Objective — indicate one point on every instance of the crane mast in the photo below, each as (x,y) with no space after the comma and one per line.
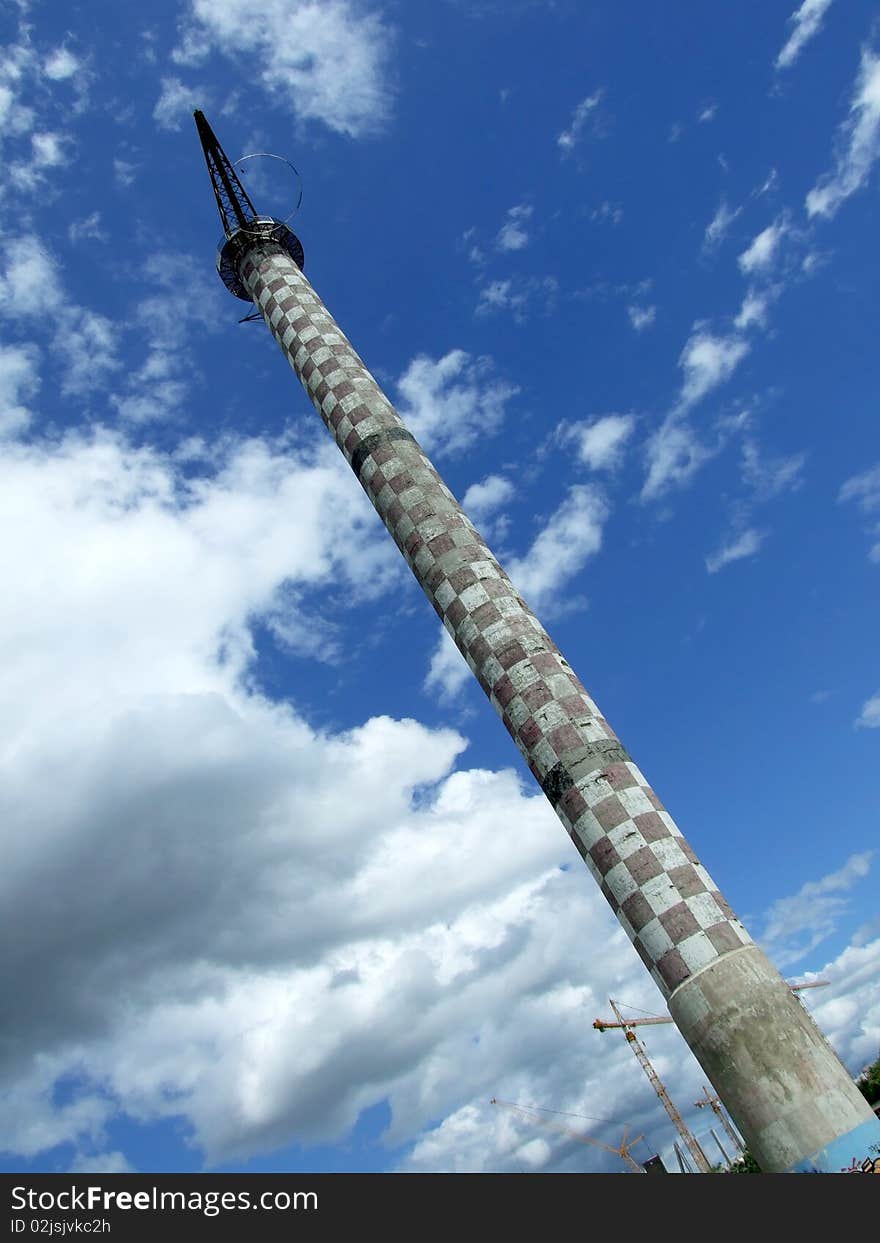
(657,1084)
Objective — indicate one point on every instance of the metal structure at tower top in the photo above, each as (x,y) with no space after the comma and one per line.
(242,226)
(784,1086)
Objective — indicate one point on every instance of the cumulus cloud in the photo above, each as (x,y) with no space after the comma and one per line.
(869,717)
(806,22)
(61,64)
(450,403)
(569,137)
(600,442)
(858,143)
(796,925)
(272,928)
(513,234)
(744,545)
(326,58)
(483,499)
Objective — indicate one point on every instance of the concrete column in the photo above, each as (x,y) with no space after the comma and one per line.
(786,1090)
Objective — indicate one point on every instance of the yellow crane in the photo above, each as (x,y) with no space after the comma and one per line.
(533,1114)
(701,1160)
(626,1025)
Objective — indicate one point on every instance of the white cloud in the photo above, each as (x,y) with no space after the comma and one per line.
(517,296)
(848,1011)
(869,717)
(641,316)
(30,286)
(453,402)
(582,113)
(295,925)
(762,250)
(807,22)
(513,234)
(673,455)
(707,114)
(89,228)
(572,535)
(607,211)
(124,171)
(707,361)
(61,64)
(864,490)
(600,442)
(19,380)
(753,312)
(858,143)
(486,497)
(769,477)
(176,103)
(718,227)
(448,672)
(327,58)
(744,545)
(797,924)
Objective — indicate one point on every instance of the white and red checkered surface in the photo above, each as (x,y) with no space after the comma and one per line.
(665,899)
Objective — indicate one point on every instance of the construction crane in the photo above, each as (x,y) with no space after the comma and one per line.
(638,1049)
(700,1159)
(602,1024)
(533,1115)
(714,1103)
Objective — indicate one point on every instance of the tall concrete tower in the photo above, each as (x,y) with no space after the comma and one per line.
(791,1097)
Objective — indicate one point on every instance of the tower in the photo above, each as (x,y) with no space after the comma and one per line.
(785,1088)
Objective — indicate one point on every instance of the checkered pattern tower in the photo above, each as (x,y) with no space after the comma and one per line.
(792,1099)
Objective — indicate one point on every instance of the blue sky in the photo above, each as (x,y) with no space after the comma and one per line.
(278,892)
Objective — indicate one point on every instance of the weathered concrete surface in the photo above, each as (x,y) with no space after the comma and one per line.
(666,901)
(774,1070)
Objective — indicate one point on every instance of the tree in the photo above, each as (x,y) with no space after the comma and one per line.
(868,1082)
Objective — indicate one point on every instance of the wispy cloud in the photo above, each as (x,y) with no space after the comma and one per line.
(572,535)
(797,924)
(518,296)
(707,360)
(869,717)
(864,491)
(718,227)
(858,143)
(759,256)
(806,22)
(641,316)
(745,545)
(569,137)
(513,234)
(176,103)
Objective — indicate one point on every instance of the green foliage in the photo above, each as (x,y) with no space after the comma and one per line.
(868,1082)
(745,1165)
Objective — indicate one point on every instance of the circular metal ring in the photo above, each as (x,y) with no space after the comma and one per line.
(268,155)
